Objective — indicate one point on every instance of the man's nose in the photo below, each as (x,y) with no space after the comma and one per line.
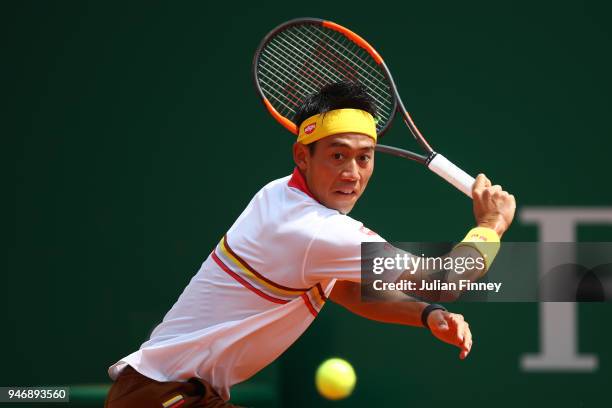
(351,171)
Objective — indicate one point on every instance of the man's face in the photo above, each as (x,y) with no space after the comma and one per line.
(339,169)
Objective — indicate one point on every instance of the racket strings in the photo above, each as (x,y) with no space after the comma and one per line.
(315,77)
(332,60)
(319,76)
(303,58)
(351,47)
(286,66)
(361,61)
(308,70)
(371,81)
(284,72)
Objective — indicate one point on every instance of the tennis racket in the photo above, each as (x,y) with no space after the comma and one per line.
(300,56)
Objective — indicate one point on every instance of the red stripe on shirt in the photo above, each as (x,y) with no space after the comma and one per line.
(246,265)
(321,292)
(245,283)
(309,305)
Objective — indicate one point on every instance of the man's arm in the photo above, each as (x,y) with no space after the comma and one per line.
(494,211)
(398,308)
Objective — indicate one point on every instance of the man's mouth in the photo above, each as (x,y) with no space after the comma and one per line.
(346,192)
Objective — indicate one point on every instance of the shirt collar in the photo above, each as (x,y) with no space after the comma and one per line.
(297,181)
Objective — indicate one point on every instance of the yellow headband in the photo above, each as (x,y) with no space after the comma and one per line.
(337,121)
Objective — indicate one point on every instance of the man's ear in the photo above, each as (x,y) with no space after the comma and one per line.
(301,155)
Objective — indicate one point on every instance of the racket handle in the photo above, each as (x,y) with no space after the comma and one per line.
(451,173)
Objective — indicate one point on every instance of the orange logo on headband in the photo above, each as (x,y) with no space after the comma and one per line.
(310,128)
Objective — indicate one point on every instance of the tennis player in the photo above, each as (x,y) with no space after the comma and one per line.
(291,250)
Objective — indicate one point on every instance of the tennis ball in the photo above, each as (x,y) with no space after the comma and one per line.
(335,379)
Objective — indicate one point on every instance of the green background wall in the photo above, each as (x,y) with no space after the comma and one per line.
(132,137)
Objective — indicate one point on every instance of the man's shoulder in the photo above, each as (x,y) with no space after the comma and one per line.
(300,204)
(346,224)
(283,193)
(279,182)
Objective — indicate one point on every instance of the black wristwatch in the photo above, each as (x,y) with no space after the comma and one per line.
(430,308)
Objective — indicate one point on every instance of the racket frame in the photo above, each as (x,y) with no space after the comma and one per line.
(355,38)
(441,166)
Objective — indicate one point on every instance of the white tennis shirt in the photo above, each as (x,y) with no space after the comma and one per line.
(257,292)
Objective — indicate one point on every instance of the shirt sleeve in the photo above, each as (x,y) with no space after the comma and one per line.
(335,252)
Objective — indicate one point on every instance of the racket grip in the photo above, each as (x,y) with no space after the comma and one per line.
(451,173)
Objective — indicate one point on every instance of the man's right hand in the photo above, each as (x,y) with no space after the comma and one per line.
(451,328)
(493,207)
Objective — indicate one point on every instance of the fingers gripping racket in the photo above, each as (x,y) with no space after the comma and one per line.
(300,56)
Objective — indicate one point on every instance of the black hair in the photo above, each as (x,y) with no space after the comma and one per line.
(338,95)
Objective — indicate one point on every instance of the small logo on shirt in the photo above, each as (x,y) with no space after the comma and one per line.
(367,231)
(310,128)
(389,248)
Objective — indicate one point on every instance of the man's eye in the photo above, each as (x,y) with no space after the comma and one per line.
(338,156)
(365,158)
